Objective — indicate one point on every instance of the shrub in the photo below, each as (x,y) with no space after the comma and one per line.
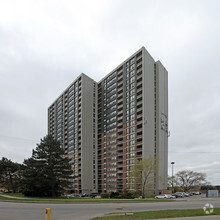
(127,194)
(114,195)
(105,195)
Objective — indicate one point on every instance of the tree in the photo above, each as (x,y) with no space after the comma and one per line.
(10,174)
(172,182)
(143,174)
(47,172)
(187,178)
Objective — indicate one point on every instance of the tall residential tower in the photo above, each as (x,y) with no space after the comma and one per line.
(72,119)
(104,126)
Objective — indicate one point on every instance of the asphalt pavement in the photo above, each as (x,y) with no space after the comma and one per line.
(85,211)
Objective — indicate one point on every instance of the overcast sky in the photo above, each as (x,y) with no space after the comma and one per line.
(46,44)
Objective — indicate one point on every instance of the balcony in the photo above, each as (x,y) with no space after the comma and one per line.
(139,133)
(120,90)
(120,75)
(139,66)
(139,143)
(139,148)
(139,98)
(120,164)
(120,147)
(139,72)
(120,171)
(139,116)
(120,182)
(139,128)
(120,159)
(139,154)
(139,95)
(139,109)
(139,82)
(120,82)
(120,120)
(139,90)
(120,129)
(120,136)
(139,136)
(120,142)
(120,109)
(120,152)
(120,96)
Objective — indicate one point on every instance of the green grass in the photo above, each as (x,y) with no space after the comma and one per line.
(14,194)
(160,214)
(21,197)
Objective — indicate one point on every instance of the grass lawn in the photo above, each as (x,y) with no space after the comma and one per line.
(14,194)
(159,214)
(63,199)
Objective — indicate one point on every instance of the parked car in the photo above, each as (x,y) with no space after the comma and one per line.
(88,195)
(92,195)
(196,193)
(170,196)
(178,194)
(85,195)
(186,194)
(162,196)
(74,195)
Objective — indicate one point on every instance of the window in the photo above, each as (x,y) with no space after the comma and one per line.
(132,129)
(132,84)
(132,155)
(132,122)
(132,136)
(132,117)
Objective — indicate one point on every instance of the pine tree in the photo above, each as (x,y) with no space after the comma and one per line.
(10,175)
(47,172)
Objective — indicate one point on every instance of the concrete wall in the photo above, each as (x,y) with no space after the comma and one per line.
(162,124)
(212,193)
(87,135)
(148,104)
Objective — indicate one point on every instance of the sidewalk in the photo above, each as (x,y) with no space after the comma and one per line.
(12,197)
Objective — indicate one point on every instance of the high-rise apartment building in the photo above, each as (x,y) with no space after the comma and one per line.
(72,119)
(105,126)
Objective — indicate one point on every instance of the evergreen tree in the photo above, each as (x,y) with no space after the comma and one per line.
(10,175)
(47,172)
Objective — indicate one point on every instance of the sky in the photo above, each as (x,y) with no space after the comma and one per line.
(46,44)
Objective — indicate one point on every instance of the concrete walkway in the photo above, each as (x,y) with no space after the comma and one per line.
(12,197)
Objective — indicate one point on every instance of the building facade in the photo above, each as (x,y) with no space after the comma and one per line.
(114,121)
(72,119)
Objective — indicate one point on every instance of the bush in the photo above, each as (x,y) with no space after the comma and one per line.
(105,195)
(126,194)
(114,195)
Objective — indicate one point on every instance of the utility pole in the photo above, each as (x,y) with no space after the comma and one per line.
(172,163)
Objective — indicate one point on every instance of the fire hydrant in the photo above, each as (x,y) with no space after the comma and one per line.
(47,212)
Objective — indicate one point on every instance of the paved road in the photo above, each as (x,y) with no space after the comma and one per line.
(34,211)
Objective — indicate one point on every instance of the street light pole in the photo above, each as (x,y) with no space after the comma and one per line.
(172,163)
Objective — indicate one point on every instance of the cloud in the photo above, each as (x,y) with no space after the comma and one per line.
(45,45)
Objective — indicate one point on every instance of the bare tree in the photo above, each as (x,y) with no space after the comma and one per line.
(187,178)
(143,174)
(172,182)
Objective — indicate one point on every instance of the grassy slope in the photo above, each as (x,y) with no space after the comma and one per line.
(160,214)
(20,197)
